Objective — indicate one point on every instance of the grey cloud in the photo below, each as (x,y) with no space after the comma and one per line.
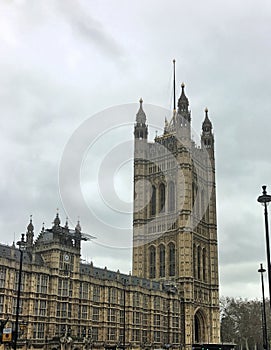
(88,28)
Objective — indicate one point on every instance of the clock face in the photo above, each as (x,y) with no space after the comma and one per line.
(66,257)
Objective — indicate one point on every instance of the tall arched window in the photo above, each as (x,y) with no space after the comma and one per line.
(202,209)
(199,262)
(204,275)
(152,253)
(162,260)
(172,262)
(153,201)
(162,198)
(195,260)
(171,197)
(193,193)
(195,199)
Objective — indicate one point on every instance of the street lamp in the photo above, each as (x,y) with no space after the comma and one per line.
(21,245)
(265,339)
(265,199)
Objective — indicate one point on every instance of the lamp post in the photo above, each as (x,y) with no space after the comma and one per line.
(21,245)
(265,199)
(265,339)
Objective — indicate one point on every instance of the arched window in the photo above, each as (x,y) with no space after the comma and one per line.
(162,258)
(162,198)
(152,253)
(193,193)
(153,201)
(202,211)
(204,265)
(195,260)
(199,262)
(171,197)
(172,263)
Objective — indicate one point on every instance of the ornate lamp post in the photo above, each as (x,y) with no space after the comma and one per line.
(265,199)
(265,339)
(22,245)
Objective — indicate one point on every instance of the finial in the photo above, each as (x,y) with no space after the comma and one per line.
(264,189)
(30,226)
(182,85)
(66,224)
(78,226)
(43,228)
(174,87)
(174,60)
(57,220)
(141,101)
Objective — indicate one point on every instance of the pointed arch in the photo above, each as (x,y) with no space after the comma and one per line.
(153,201)
(162,197)
(199,262)
(152,259)
(171,197)
(200,327)
(195,264)
(202,204)
(162,260)
(172,259)
(204,273)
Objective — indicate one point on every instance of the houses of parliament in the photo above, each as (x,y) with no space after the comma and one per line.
(171,298)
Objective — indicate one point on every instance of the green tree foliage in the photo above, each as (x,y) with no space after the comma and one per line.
(241,323)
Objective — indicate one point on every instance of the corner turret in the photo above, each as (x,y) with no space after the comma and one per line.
(30,233)
(183,104)
(207,137)
(141,129)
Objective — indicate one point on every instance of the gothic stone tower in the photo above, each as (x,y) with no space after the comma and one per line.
(174,223)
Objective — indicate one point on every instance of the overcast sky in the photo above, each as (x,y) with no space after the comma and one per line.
(71,75)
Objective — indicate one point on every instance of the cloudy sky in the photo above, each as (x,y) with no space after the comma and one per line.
(71,75)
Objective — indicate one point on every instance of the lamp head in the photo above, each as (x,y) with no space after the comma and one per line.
(264,198)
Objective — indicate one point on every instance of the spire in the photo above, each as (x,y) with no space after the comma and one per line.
(78,226)
(141,116)
(30,227)
(66,223)
(207,137)
(166,126)
(141,129)
(30,233)
(57,220)
(174,87)
(183,102)
(206,125)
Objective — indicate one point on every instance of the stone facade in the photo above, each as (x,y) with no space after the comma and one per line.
(64,299)
(171,298)
(175,234)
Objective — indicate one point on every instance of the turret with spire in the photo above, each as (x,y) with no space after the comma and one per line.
(30,233)
(183,119)
(141,129)
(183,104)
(207,137)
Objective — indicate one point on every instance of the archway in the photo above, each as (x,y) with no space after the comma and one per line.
(200,334)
